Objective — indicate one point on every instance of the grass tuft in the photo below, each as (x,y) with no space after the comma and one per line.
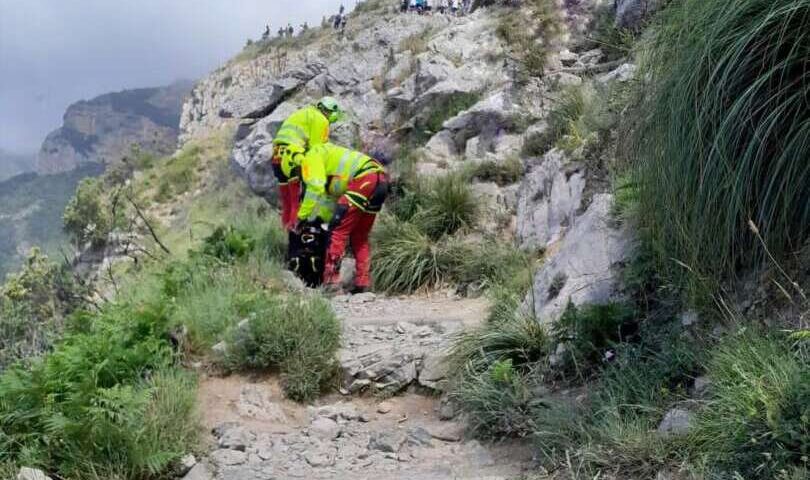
(725,137)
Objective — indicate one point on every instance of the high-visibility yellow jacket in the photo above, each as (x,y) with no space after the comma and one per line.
(305,128)
(326,171)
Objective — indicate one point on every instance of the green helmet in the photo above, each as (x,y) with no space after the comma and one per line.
(329,106)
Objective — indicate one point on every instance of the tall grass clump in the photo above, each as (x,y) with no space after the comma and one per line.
(297,336)
(406,259)
(756,422)
(497,367)
(448,206)
(726,135)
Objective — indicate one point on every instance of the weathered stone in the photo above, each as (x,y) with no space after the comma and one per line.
(447,409)
(623,73)
(480,456)
(292,281)
(255,402)
(226,456)
(404,327)
(568,58)
(320,458)
(419,437)
(591,57)
(548,200)
(338,411)
(564,79)
(200,471)
(324,428)
(386,441)
(384,407)
(701,386)
(26,473)
(676,422)
(220,349)
(185,464)
(360,298)
(689,318)
(234,437)
(433,371)
(451,433)
(587,267)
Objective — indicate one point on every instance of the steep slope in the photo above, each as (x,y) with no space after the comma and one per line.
(102,129)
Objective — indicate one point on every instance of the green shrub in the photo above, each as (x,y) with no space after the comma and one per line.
(529,31)
(87,217)
(516,337)
(498,368)
(105,400)
(492,263)
(227,243)
(616,43)
(448,206)
(297,336)
(440,111)
(178,173)
(588,332)
(33,303)
(499,401)
(724,137)
(756,422)
(503,173)
(210,297)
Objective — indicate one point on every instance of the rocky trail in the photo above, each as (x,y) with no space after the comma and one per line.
(387,421)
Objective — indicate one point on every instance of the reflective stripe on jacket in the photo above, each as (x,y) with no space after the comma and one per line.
(326,171)
(305,128)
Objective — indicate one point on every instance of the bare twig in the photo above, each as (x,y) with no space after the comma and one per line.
(148,225)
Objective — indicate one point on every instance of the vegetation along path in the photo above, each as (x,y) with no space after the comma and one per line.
(388,421)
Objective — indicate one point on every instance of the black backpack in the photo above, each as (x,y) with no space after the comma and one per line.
(307,254)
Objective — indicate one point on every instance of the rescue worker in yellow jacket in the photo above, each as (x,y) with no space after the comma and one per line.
(346,189)
(304,129)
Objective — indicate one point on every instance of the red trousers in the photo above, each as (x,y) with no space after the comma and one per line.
(354,227)
(289,195)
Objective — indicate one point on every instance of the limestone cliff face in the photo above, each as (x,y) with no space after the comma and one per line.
(101,130)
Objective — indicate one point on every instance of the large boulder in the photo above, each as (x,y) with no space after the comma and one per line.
(260,101)
(587,266)
(549,198)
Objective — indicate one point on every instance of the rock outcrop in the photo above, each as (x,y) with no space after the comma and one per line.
(404,73)
(585,268)
(103,129)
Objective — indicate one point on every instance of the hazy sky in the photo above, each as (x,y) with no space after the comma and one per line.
(55,52)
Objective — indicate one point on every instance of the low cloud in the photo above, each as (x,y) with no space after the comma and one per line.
(55,52)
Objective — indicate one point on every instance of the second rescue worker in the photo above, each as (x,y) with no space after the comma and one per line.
(301,131)
(346,189)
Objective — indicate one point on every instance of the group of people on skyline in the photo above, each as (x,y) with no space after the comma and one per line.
(337,21)
(454,7)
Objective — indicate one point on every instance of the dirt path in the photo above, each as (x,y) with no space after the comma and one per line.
(259,435)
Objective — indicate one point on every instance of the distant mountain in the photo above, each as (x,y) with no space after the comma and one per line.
(31,207)
(103,129)
(12,164)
